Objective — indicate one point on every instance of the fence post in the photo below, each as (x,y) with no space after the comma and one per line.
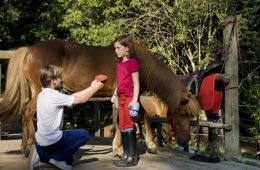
(0,96)
(97,118)
(231,90)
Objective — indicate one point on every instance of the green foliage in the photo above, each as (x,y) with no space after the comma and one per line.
(92,22)
(249,155)
(27,21)
(250,98)
(248,16)
(181,32)
(253,105)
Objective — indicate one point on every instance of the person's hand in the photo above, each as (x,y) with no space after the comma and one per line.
(134,108)
(133,103)
(95,84)
(113,98)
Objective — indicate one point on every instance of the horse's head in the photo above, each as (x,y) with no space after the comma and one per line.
(189,107)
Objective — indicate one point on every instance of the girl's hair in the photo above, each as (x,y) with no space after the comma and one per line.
(48,73)
(126,41)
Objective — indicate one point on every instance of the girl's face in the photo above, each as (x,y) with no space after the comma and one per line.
(121,51)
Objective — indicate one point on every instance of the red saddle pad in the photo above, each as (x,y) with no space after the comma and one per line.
(210,97)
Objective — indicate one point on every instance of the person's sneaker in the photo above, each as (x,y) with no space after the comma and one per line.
(33,157)
(60,164)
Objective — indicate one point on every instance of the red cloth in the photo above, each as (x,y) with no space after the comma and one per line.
(210,97)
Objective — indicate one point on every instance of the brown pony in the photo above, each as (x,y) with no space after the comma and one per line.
(80,64)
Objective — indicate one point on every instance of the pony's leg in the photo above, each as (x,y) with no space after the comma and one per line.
(167,130)
(117,143)
(149,139)
(28,136)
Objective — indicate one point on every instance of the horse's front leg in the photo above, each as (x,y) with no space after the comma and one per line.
(28,129)
(149,139)
(167,129)
(117,143)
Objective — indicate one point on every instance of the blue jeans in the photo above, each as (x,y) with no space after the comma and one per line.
(63,150)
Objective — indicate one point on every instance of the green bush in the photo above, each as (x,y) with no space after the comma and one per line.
(251,98)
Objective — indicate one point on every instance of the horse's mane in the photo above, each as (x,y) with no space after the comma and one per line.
(159,78)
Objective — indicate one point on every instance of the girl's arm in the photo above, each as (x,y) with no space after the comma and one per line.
(136,82)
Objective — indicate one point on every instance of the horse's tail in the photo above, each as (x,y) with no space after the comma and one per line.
(17,89)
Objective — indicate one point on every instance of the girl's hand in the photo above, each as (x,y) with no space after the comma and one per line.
(134,108)
(134,103)
(113,98)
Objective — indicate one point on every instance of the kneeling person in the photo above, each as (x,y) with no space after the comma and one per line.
(55,146)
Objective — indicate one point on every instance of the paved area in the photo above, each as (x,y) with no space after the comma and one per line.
(97,154)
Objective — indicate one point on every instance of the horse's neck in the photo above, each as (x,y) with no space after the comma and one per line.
(159,78)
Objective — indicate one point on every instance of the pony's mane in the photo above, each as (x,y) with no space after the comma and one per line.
(159,78)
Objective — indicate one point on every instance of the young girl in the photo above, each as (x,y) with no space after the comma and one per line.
(128,94)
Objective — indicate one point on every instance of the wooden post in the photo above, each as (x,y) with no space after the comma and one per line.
(0,96)
(231,90)
(97,118)
(0,80)
(97,112)
(0,131)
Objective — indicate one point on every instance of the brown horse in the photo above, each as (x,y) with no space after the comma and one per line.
(80,64)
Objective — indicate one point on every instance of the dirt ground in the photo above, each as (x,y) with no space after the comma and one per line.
(97,154)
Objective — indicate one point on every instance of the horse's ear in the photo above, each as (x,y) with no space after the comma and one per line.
(185,97)
(194,106)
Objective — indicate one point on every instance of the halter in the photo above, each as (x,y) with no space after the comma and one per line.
(172,120)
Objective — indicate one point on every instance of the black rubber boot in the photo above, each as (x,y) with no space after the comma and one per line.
(132,158)
(125,150)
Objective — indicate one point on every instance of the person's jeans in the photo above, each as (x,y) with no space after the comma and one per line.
(63,150)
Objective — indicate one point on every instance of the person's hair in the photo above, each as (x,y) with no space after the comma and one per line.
(48,73)
(125,40)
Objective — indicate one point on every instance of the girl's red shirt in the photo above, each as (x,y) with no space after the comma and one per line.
(125,83)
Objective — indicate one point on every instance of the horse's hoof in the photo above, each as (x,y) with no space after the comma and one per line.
(118,152)
(26,151)
(152,151)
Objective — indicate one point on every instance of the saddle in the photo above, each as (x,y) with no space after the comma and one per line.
(203,84)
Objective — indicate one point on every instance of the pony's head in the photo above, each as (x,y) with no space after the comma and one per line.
(180,121)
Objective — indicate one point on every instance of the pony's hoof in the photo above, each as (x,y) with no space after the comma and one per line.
(26,151)
(118,152)
(152,151)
